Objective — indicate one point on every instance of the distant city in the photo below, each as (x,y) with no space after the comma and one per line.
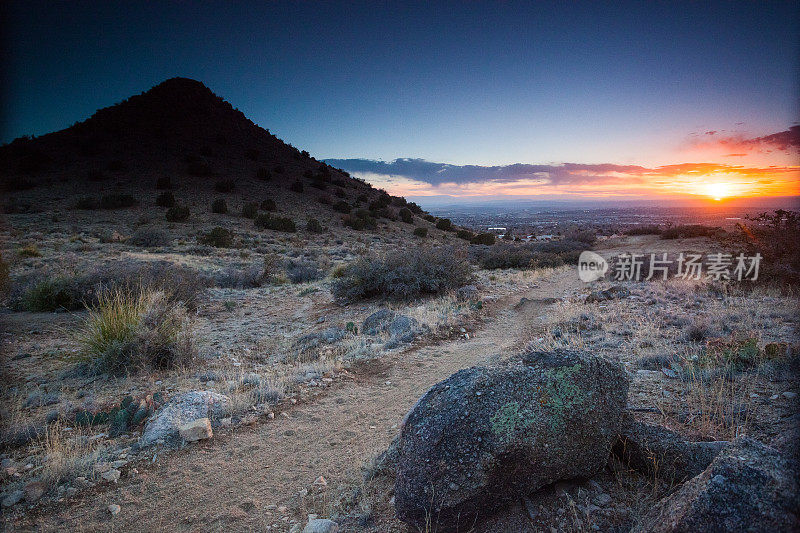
(537,220)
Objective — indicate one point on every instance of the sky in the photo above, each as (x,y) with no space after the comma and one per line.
(462,100)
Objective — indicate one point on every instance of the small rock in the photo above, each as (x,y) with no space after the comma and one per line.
(321,481)
(195,430)
(13,499)
(773,397)
(669,373)
(114,509)
(34,491)
(321,525)
(112,476)
(602,499)
(789,395)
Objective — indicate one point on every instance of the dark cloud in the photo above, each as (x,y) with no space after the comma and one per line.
(783,140)
(439,173)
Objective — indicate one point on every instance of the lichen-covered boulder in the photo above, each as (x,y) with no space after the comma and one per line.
(486,436)
(192,405)
(401,329)
(748,487)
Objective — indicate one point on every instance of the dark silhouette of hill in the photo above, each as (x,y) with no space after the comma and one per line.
(178,127)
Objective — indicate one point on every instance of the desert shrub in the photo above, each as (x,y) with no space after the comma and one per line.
(149,237)
(128,331)
(430,218)
(178,213)
(342,207)
(698,330)
(324,199)
(5,280)
(250,210)
(219,206)
(263,174)
(225,186)
(218,237)
(29,250)
(586,236)
(302,271)
(269,205)
(45,290)
(688,231)
(444,224)
(248,277)
(252,154)
(465,234)
(117,201)
(483,238)
(165,199)
(296,186)
(266,221)
(383,200)
(403,275)
(648,229)
(164,183)
(360,220)
(86,203)
(406,215)
(774,236)
(421,232)
(535,255)
(414,208)
(314,226)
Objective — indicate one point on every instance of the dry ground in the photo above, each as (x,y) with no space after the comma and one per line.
(261,476)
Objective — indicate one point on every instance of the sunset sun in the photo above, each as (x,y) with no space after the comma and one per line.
(718,191)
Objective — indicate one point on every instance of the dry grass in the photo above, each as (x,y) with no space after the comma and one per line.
(67,455)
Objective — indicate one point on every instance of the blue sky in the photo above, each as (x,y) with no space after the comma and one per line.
(458,83)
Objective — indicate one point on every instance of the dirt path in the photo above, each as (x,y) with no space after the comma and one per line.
(236,481)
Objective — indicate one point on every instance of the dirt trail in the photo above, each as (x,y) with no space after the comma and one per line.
(232,481)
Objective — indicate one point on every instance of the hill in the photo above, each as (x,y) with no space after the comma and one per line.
(180,135)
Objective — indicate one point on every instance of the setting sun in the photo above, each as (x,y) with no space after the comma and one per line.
(718,191)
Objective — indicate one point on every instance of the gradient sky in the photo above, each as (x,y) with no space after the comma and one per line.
(638,85)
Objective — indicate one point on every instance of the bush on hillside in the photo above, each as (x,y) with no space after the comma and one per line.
(313,226)
(177,213)
(250,210)
(444,224)
(263,174)
(406,215)
(266,221)
(483,238)
(218,237)
(648,229)
(149,238)
(421,232)
(403,275)
(269,205)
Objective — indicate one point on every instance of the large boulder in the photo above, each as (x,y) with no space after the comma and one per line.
(664,454)
(486,436)
(748,487)
(178,411)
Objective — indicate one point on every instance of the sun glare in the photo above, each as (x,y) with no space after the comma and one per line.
(718,191)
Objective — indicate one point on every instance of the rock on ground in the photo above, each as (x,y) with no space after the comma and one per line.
(321,525)
(186,407)
(617,292)
(13,498)
(486,436)
(659,452)
(400,328)
(195,430)
(748,487)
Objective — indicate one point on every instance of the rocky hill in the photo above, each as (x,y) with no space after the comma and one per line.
(181,136)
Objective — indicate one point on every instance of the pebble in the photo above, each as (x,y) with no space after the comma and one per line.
(13,499)
(112,476)
(114,509)
(789,395)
